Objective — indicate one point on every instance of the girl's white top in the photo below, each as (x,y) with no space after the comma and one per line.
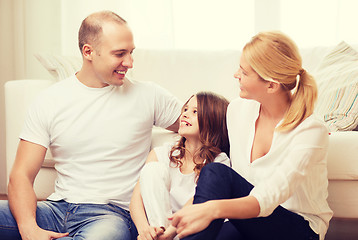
(182,186)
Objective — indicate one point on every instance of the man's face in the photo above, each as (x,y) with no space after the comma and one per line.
(112,57)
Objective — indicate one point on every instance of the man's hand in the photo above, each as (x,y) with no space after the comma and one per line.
(41,234)
(192,219)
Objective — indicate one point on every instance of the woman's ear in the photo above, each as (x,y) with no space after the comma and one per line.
(273,87)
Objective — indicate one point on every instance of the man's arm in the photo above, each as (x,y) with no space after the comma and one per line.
(174,127)
(22,197)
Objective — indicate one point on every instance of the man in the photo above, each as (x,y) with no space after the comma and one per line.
(97,124)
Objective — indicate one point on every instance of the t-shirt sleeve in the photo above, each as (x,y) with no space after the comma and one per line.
(223,158)
(167,107)
(163,152)
(36,128)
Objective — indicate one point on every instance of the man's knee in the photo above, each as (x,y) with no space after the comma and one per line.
(8,225)
(107,228)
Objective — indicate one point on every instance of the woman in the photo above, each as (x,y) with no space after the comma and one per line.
(278,186)
(168,179)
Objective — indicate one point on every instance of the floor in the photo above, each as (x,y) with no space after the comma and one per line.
(3,197)
(339,229)
(342,229)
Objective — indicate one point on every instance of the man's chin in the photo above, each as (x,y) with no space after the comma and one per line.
(118,82)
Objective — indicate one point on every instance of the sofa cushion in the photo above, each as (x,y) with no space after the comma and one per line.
(337,79)
(60,67)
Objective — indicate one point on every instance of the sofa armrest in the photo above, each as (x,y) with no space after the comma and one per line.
(18,96)
(343,156)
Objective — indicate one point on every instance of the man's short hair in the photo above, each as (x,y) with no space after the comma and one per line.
(91,27)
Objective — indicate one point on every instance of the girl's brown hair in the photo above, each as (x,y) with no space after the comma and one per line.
(273,55)
(212,131)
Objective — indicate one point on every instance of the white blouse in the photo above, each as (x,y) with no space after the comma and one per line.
(292,174)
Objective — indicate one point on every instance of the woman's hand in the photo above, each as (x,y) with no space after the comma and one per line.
(150,233)
(192,219)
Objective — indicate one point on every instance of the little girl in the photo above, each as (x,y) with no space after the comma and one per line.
(168,179)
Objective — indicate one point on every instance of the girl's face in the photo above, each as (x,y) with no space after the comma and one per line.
(251,84)
(189,125)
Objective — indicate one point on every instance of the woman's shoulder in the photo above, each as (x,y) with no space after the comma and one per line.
(242,103)
(313,122)
(311,131)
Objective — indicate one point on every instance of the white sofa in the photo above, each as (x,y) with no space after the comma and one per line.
(185,72)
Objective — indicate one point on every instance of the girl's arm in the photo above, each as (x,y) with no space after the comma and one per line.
(171,231)
(137,210)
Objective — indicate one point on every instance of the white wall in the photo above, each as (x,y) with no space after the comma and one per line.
(27,27)
(7,72)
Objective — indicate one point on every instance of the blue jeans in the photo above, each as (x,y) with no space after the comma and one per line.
(217,181)
(82,221)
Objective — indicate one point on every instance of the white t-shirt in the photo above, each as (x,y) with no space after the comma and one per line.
(182,186)
(292,174)
(99,137)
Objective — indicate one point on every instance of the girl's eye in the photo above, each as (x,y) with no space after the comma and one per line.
(195,111)
(185,109)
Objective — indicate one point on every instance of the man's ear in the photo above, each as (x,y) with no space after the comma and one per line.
(87,51)
(273,87)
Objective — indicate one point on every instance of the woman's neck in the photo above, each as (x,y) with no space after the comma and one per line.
(275,108)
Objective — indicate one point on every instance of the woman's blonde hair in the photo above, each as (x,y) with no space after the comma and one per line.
(275,57)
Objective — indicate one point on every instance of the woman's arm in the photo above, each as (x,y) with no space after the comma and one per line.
(197,217)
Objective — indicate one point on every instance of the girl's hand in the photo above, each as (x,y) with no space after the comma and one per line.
(150,233)
(168,234)
(192,219)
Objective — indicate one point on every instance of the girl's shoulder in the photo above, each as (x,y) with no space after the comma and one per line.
(223,158)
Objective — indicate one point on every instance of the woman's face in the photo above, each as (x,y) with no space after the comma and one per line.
(189,125)
(251,84)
